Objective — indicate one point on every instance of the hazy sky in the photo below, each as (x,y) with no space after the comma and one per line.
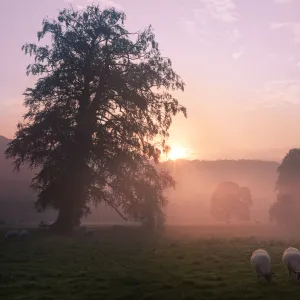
(240,60)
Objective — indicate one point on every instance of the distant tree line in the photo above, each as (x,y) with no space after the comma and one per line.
(231,202)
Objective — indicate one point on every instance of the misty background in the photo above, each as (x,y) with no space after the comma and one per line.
(189,203)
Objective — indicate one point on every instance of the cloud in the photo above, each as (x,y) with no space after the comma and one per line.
(81,4)
(237,55)
(110,3)
(222,10)
(275,26)
(290,58)
(292,27)
(190,26)
(79,7)
(278,93)
(233,34)
(283,1)
(236,33)
(272,54)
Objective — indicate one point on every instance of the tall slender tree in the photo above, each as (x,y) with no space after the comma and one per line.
(101,102)
(285,210)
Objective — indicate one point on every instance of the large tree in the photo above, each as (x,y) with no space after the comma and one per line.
(231,202)
(285,210)
(98,117)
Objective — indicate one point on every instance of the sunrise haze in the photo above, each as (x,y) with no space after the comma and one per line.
(240,61)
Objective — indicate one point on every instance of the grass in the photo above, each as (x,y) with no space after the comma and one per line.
(126,264)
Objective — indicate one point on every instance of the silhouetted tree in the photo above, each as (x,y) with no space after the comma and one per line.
(285,211)
(229,201)
(95,114)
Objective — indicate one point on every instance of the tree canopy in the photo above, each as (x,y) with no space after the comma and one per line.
(285,210)
(97,117)
(231,202)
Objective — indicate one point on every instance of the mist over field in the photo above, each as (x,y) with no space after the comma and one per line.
(189,203)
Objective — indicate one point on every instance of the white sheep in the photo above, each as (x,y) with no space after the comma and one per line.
(291,249)
(261,263)
(11,234)
(291,259)
(23,234)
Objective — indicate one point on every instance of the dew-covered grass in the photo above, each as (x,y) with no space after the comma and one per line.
(126,263)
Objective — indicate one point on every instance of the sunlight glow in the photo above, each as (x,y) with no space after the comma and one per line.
(177,152)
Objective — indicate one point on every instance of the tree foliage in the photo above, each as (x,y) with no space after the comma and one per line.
(231,202)
(285,211)
(101,102)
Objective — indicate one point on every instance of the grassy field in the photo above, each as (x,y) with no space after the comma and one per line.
(120,263)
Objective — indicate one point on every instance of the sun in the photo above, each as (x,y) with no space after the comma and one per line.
(177,152)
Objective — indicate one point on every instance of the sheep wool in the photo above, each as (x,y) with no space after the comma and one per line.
(291,259)
(24,234)
(261,263)
(11,234)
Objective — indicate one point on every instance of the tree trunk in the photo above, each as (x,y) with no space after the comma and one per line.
(73,195)
(149,223)
(64,222)
(78,179)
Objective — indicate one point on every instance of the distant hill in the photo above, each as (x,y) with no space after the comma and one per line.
(196,181)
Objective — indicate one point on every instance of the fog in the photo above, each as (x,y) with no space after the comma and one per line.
(189,203)
(196,182)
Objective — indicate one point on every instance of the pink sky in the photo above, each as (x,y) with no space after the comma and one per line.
(240,60)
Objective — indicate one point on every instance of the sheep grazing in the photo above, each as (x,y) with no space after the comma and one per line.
(23,234)
(261,262)
(291,259)
(11,234)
